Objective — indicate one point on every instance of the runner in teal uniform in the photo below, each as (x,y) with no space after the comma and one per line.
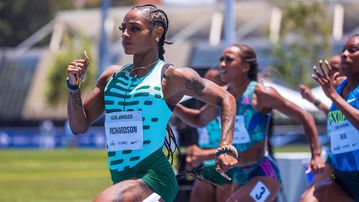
(138,100)
(342,128)
(257,176)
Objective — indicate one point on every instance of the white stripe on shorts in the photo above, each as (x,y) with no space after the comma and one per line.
(154,197)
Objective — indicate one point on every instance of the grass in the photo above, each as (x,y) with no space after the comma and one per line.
(52,175)
(71,175)
(292,148)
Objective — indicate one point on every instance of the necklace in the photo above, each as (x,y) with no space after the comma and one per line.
(238,92)
(144,67)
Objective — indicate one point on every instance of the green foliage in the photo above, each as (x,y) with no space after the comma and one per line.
(304,38)
(20,18)
(56,91)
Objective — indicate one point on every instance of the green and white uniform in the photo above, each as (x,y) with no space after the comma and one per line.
(136,119)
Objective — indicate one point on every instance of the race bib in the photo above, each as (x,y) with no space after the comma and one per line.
(260,192)
(240,135)
(124,130)
(203,137)
(344,137)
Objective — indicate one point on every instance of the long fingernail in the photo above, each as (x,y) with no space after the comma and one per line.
(225,176)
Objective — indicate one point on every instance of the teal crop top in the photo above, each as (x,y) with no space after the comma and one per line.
(251,126)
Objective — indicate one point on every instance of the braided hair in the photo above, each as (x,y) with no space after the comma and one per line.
(156,17)
(248,55)
(168,143)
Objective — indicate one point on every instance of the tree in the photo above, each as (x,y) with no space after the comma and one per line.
(56,92)
(19,19)
(304,37)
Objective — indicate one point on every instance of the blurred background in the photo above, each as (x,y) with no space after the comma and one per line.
(38,38)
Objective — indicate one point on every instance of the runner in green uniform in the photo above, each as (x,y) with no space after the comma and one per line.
(138,99)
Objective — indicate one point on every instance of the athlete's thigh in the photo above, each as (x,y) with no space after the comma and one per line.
(258,188)
(223,192)
(125,191)
(323,188)
(202,191)
(328,190)
(307,195)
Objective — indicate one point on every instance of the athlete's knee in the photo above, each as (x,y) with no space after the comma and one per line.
(129,190)
(112,193)
(307,196)
(259,188)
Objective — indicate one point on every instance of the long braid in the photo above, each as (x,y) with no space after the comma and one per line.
(158,17)
(168,142)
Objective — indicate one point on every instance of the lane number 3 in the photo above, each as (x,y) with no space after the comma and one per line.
(260,192)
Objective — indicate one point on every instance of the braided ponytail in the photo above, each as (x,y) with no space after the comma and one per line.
(249,56)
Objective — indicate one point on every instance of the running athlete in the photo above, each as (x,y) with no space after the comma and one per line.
(138,99)
(341,182)
(256,176)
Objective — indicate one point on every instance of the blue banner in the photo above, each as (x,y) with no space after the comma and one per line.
(57,137)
